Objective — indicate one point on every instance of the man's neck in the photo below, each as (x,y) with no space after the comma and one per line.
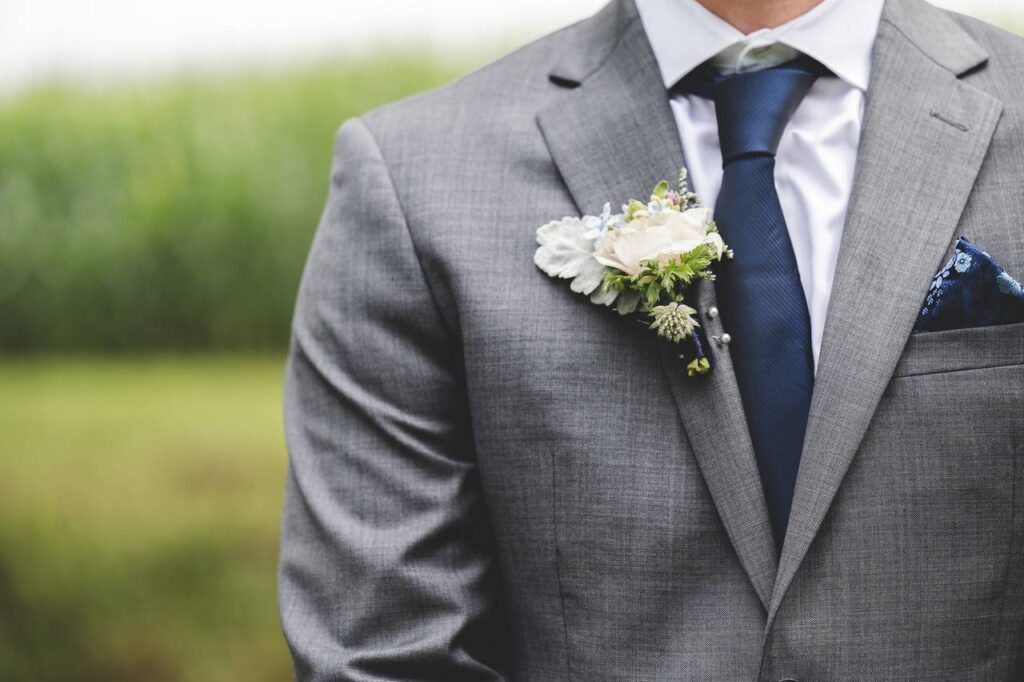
(748,16)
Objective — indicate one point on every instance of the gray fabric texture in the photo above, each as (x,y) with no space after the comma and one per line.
(493,479)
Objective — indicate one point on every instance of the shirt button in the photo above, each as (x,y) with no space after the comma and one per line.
(712,312)
(726,338)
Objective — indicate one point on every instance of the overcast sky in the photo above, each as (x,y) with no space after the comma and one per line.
(111,39)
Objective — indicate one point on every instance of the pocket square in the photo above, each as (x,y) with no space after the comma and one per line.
(971,290)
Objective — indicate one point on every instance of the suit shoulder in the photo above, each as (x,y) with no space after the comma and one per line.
(503,91)
(996,39)
(502,99)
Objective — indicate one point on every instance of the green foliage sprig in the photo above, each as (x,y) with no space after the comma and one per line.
(659,282)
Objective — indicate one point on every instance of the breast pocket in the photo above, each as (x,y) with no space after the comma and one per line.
(962,349)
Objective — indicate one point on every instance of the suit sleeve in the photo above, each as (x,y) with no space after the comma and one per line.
(386,567)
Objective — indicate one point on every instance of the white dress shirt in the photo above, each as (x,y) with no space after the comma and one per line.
(816,157)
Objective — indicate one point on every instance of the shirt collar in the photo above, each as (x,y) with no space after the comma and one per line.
(838,33)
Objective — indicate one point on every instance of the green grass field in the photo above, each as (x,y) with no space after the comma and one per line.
(139,511)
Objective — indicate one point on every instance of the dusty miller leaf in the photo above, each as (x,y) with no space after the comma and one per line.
(565,252)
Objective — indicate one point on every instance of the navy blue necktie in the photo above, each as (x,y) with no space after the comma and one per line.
(759,294)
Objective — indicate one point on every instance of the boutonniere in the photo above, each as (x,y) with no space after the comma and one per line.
(640,261)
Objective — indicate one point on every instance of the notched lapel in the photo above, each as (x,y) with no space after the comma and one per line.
(925,136)
(613,137)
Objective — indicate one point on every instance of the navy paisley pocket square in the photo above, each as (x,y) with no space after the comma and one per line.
(971,290)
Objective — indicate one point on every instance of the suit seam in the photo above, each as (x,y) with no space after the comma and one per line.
(451,332)
(629,26)
(405,224)
(558,567)
(1009,554)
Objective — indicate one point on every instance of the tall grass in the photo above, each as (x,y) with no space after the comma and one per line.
(174,216)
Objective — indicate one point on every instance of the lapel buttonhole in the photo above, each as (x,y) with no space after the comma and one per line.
(945,119)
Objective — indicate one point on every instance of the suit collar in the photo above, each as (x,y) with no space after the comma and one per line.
(925,136)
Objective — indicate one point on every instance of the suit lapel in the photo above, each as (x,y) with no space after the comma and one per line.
(924,138)
(613,137)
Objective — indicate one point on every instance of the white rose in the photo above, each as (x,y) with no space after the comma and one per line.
(660,236)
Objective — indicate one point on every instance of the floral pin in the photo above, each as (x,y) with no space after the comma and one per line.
(641,260)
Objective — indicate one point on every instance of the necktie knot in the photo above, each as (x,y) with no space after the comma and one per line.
(753,107)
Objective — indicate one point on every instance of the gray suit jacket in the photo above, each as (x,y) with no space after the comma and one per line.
(492,478)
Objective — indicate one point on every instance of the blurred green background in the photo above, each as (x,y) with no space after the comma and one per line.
(174,216)
(151,241)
